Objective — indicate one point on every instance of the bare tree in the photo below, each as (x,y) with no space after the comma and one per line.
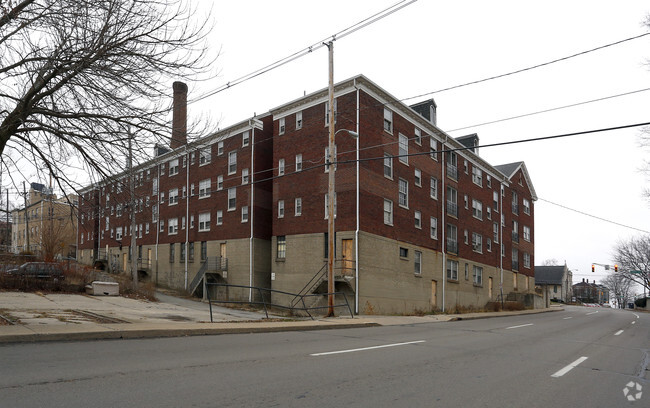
(81,77)
(620,286)
(633,258)
(551,262)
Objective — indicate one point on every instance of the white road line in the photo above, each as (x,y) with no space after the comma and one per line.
(570,317)
(366,348)
(637,316)
(592,312)
(618,333)
(633,321)
(521,325)
(569,367)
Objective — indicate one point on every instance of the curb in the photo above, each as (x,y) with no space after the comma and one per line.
(507,314)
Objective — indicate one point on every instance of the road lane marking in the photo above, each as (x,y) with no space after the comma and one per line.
(633,321)
(521,325)
(637,316)
(592,312)
(568,368)
(618,333)
(571,317)
(367,348)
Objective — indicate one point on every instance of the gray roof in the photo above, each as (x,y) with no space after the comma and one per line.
(549,275)
(508,169)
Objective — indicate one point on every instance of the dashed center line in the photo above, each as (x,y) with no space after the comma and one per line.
(592,313)
(570,317)
(366,348)
(521,325)
(633,321)
(637,316)
(618,333)
(568,368)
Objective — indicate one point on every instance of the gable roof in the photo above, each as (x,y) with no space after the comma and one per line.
(549,275)
(510,169)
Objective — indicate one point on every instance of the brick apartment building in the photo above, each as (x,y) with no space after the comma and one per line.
(422,221)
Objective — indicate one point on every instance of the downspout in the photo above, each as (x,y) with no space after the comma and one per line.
(443,206)
(100,214)
(187,210)
(41,231)
(356,232)
(158,218)
(501,243)
(250,216)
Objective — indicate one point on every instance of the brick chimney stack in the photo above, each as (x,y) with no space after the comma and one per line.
(179,117)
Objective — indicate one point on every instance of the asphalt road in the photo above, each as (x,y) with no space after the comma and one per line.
(582,357)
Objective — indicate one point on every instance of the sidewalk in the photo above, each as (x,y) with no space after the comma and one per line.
(65,317)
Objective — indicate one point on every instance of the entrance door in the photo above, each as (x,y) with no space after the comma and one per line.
(124,261)
(490,287)
(149,258)
(347,257)
(222,253)
(434,294)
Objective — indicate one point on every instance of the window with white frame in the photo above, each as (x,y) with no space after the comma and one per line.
(526,260)
(183,222)
(433,148)
(173,167)
(245,138)
(107,222)
(232,199)
(452,269)
(388,212)
(192,190)
(204,188)
(489,180)
(477,176)
(418,178)
(327,112)
(526,233)
(172,226)
(118,210)
(232,162)
(162,225)
(488,244)
(388,166)
(403,193)
(281,167)
(327,206)
(433,227)
(403,149)
(219,217)
(297,206)
(205,156)
(220,148)
(495,232)
(417,262)
(244,176)
(298,120)
(466,166)
(526,205)
(299,162)
(466,236)
(191,221)
(495,201)
(477,209)
(244,214)
(489,212)
(146,228)
(281,126)
(184,192)
(118,233)
(388,120)
(173,196)
(192,158)
(280,208)
(418,220)
(219,182)
(477,242)
(204,222)
(433,188)
(478,275)
(418,136)
(162,197)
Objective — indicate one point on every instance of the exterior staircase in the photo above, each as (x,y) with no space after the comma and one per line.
(213,264)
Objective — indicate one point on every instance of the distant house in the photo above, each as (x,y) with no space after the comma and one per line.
(586,292)
(556,281)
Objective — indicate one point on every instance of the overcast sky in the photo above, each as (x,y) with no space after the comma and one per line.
(431,45)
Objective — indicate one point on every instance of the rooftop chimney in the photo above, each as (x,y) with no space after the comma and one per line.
(179,117)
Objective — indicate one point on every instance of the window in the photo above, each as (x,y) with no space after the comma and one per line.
(191,221)
(244,176)
(403,149)
(298,206)
(418,178)
(219,148)
(433,190)
(232,162)
(452,269)
(466,167)
(526,233)
(526,205)
(172,226)
(495,201)
(466,237)
(452,201)
(488,244)
(327,206)
(192,189)
(184,194)
(281,247)
(403,193)
(466,271)
(477,242)
(172,250)
(204,250)
(327,159)
(478,276)
(182,257)
(219,217)
(118,233)
(477,209)
(477,176)
(434,228)
(281,167)
(281,126)
(162,199)
(418,136)
(433,148)
(526,260)
(495,231)
(232,199)
(173,167)
(515,231)
(299,162)
(452,238)
(417,262)
(466,200)
(219,182)
(205,156)
(154,213)
(418,220)
(245,138)
(403,253)
(388,120)
(204,188)
(162,225)
(515,259)
(515,203)
(388,212)
(280,208)
(190,252)
(298,120)
(192,157)
(204,222)
(452,166)
(388,166)
(173,196)
(327,112)
(489,213)
(244,214)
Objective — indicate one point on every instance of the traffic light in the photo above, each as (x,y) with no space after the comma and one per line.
(615,268)
(593,268)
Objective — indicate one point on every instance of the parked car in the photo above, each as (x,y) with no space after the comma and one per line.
(41,270)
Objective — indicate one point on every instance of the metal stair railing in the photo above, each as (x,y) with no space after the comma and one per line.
(211,264)
(311,285)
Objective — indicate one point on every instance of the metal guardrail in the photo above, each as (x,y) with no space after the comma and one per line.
(267,304)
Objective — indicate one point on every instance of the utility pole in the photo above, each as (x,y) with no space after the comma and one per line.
(134,262)
(26,216)
(330,189)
